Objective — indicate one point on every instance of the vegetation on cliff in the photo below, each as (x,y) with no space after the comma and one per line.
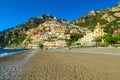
(16,35)
(108,17)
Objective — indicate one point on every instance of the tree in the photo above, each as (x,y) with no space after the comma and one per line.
(69,43)
(118,37)
(109,38)
(19,39)
(98,39)
(75,37)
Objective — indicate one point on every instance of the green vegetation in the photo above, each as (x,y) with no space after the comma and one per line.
(73,38)
(112,39)
(108,38)
(98,39)
(117,38)
(19,39)
(109,22)
(91,21)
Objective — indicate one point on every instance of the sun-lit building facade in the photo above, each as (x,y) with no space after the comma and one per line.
(87,39)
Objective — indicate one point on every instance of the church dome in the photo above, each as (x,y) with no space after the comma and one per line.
(98,26)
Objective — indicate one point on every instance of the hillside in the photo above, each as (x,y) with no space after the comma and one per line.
(108,17)
(17,34)
(53,32)
(36,30)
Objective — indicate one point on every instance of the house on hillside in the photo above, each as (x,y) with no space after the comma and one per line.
(75,31)
(117,31)
(59,43)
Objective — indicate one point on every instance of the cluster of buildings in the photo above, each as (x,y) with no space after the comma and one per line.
(50,33)
(53,33)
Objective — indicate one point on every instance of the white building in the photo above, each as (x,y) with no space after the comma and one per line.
(88,38)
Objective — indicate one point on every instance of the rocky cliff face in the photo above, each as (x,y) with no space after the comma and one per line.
(108,17)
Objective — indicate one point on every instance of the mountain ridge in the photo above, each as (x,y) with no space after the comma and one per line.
(108,17)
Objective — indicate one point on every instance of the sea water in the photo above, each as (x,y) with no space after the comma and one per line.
(4,52)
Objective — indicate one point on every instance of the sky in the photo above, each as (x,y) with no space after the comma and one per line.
(15,12)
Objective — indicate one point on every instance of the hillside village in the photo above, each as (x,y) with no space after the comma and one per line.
(51,33)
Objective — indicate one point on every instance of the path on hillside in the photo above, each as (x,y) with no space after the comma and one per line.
(71,65)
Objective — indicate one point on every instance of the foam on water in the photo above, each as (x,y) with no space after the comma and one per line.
(4,52)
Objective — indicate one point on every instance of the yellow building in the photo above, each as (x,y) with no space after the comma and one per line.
(59,29)
(98,31)
(88,38)
(59,43)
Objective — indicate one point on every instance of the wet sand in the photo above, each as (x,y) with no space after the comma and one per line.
(71,65)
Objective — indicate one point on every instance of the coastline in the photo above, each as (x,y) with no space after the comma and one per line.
(7,51)
(61,64)
(11,65)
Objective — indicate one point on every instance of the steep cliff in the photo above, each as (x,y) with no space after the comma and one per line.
(108,17)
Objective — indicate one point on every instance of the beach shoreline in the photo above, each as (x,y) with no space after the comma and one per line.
(61,64)
(11,65)
(7,52)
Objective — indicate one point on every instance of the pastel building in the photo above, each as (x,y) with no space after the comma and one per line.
(87,39)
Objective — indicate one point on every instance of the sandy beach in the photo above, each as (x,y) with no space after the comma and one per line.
(64,64)
(72,65)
